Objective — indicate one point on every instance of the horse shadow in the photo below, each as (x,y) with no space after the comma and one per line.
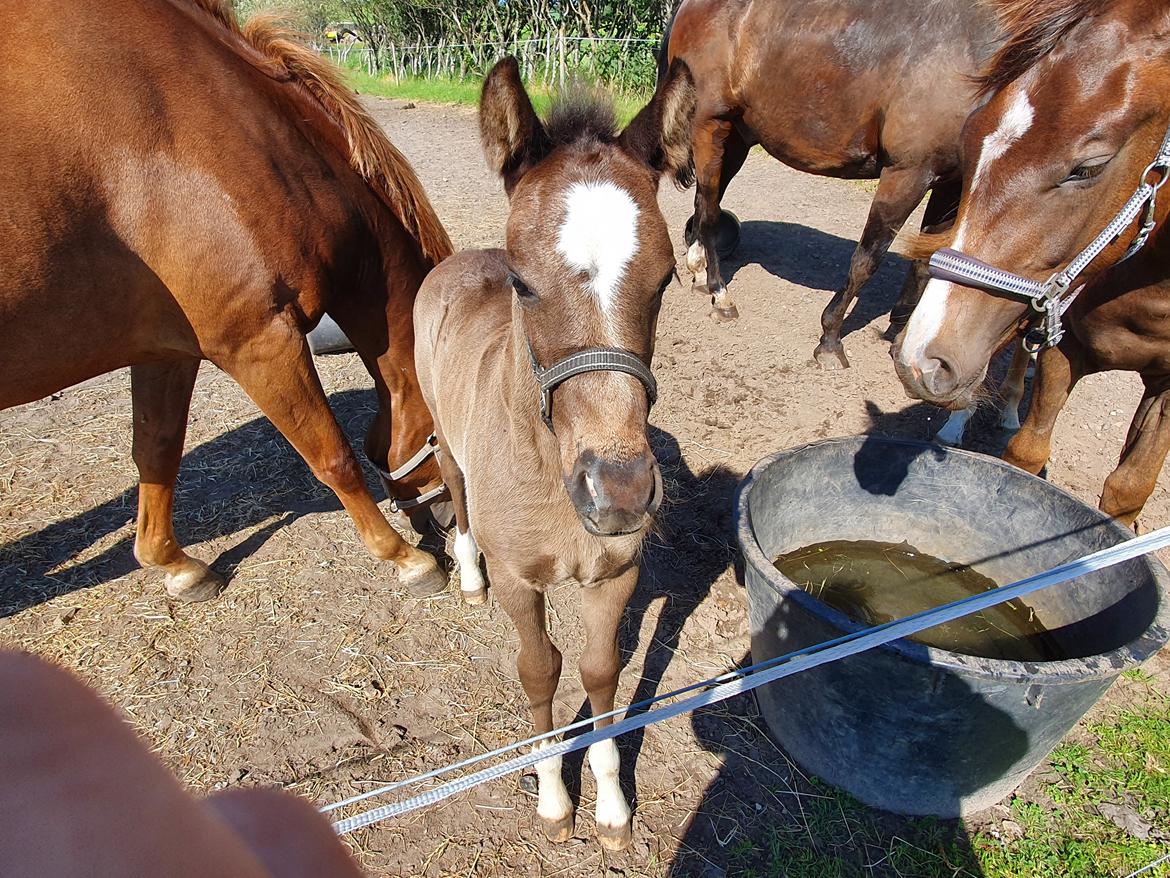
(818,260)
(247,478)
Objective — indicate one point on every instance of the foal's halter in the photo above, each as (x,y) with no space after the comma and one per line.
(420,457)
(1052,298)
(588,360)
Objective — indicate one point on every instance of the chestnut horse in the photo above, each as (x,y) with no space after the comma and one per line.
(179,188)
(535,362)
(1073,140)
(844,88)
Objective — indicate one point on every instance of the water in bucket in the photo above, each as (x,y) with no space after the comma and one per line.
(874,582)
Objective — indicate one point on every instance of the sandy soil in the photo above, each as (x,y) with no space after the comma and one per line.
(315,672)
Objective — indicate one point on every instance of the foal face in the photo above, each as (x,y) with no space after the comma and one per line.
(1048,162)
(590,257)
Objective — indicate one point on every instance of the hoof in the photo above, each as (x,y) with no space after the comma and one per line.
(558,830)
(196,583)
(615,838)
(475,598)
(724,315)
(831,358)
(426,582)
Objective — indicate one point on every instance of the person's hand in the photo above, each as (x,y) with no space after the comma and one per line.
(80,795)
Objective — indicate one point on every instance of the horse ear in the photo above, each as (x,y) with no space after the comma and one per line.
(513,138)
(660,134)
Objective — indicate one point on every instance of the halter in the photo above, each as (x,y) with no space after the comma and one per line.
(1051,298)
(420,457)
(588,360)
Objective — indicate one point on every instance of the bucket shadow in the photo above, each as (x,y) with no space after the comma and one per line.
(819,260)
(235,482)
(763,815)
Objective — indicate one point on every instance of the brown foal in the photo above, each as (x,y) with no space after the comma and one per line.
(570,495)
(189,189)
(1080,107)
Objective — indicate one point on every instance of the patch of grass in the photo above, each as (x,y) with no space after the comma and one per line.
(1128,765)
(466,93)
(844,839)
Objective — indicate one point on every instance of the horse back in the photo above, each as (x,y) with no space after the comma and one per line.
(158,208)
(838,87)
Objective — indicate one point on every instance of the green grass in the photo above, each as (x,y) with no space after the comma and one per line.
(466,93)
(1121,757)
(1128,763)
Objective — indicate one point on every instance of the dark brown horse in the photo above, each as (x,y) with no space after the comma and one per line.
(843,88)
(1079,110)
(535,361)
(177,189)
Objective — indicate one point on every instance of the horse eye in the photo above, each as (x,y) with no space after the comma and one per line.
(1087,170)
(521,288)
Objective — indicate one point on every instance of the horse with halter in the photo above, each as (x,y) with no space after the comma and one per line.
(535,361)
(843,88)
(1060,232)
(209,191)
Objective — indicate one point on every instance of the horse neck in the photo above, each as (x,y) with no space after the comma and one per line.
(532,442)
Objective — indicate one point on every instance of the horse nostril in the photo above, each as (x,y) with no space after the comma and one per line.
(939,376)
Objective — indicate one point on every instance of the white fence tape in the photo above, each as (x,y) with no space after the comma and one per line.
(732,684)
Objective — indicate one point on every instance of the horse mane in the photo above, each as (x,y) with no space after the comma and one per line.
(580,116)
(372,155)
(1031,29)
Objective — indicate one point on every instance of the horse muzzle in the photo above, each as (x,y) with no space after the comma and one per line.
(615,498)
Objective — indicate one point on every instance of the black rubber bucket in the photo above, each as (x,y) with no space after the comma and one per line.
(907,727)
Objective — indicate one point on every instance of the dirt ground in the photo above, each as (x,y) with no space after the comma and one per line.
(316,673)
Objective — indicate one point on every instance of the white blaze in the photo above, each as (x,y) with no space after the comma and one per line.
(599,236)
(1013,124)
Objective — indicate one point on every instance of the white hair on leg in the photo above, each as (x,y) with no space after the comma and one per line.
(553,803)
(467,555)
(605,763)
(952,431)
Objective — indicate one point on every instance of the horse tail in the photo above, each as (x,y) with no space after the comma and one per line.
(664,47)
(684,177)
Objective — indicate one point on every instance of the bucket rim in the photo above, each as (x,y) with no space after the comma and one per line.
(1107,664)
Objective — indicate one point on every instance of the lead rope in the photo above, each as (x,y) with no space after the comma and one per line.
(731,684)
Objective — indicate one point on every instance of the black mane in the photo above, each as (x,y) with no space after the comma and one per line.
(580,115)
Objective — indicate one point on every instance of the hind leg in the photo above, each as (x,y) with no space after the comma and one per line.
(161,395)
(275,368)
(471,584)
(719,152)
(899,192)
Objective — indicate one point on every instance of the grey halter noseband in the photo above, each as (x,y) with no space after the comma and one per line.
(420,457)
(589,360)
(1051,298)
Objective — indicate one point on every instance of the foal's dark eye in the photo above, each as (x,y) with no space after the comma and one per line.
(521,289)
(1088,170)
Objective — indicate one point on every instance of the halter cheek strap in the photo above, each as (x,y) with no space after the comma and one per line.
(1050,299)
(589,360)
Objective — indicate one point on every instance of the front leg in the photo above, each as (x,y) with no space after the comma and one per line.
(539,666)
(601,612)
(1129,486)
(1058,370)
